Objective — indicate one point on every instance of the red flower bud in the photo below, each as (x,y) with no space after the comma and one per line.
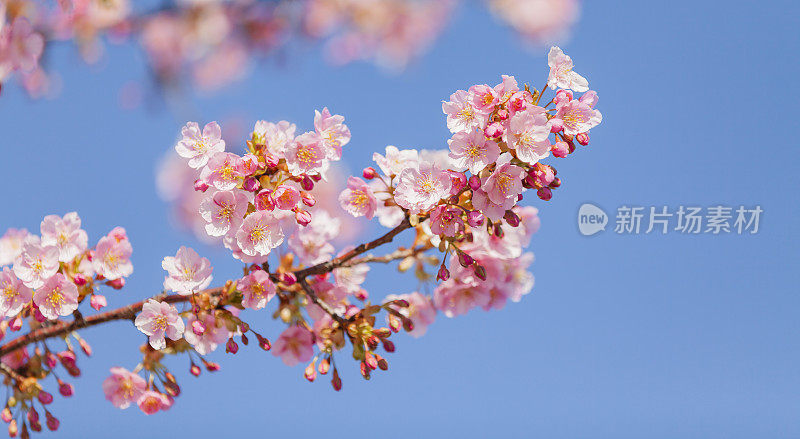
(369,173)
(200,185)
(444,273)
(474,182)
(251,184)
(475,218)
(231,347)
(117,283)
(195,370)
(308,199)
(303,217)
(65,389)
(44,397)
(79,279)
(307,183)
(288,278)
(388,345)
(480,272)
(544,193)
(582,138)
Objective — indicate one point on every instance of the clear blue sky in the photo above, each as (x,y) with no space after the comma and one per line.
(622,337)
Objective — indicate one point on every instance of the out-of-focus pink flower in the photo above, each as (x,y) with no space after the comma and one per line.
(420,310)
(16,359)
(295,345)
(123,387)
(11,245)
(215,334)
(199,146)
(65,234)
(151,402)
(187,271)
(157,320)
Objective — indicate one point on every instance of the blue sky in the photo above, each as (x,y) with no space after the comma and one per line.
(622,337)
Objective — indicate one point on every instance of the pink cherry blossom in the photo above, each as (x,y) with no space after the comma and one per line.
(461,293)
(528,133)
(276,136)
(259,234)
(223,171)
(446,220)
(358,199)
(493,211)
(123,387)
(484,98)
(505,182)
(578,115)
(215,334)
(57,297)
(472,151)
(420,311)
(112,255)
(257,289)
(187,271)
(349,279)
(286,197)
(25,46)
(224,211)
(396,160)
(311,244)
(11,245)
(14,295)
(36,263)
(307,155)
(152,402)
(157,320)
(295,345)
(199,146)
(561,73)
(461,114)
(65,234)
(332,131)
(421,189)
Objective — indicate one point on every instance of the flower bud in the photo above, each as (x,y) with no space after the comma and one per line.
(308,199)
(388,345)
(98,301)
(13,430)
(555,183)
(370,360)
(307,183)
(475,218)
(50,360)
(474,182)
(6,415)
(52,422)
(336,382)
(563,96)
(44,397)
(200,185)
(33,415)
(465,260)
(443,274)
(38,316)
(560,149)
(582,138)
(494,130)
(365,370)
(36,426)
(271,161)
(480,272)
(369,173)
(86,347)
(362,295)
(511,218)
(211,367)
(303,217)
(556,126)
(311,372)
(502,114)
(117,283)
(231,347)
(382,363)
(195,370)
(16,324)
(287,278)
(263,343)
(79,279)
(544,193)
(67,358)
(65,389)
(251,184)
(324,366)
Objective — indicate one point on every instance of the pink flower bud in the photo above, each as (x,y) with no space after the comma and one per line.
(563,96)
(33,415)
(86,347)
(362,295)
(13,430)
(582,138)
(98,301)
(79,279)
(65,389)
(67,358)
(494,130)
(511,218)
(555,183)
(556,126)
(369,173)
(560,149)
(303,217)
(307,183)
(480,272)
(388,345)
(474,182)
(370,360)
(200,185)
(6,415)
(195,370)
(308,199)
(249,164)
(117,283)
(475,218)
(50,360)
(271,161)
(38,316)
(198,327)
(544,193)
(311,372)
(288,278)
(44,397)
(465,260)
(212,367)
(231,347)
(251,184)
(443,274)
(52,422)
(264,200)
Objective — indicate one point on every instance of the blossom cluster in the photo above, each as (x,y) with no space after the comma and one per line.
(214,42)
(44,278)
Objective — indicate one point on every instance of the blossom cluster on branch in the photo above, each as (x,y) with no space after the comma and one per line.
(463,204)
(212,42)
